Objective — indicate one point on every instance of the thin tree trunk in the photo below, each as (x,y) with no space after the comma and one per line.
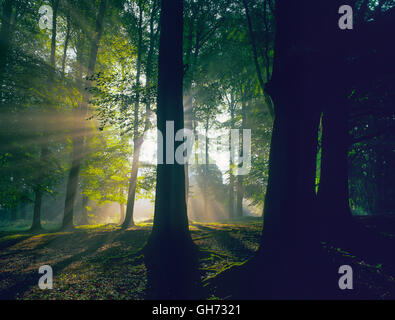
(78,140)
(266,34)
(122,213)
(231,162)
(55,5)
(188,107)
(206,176)
(84,214)
(66,43)
(139,139)
(239,208)
(23,209)
(129,222)
(14,214)
(36,225)
(5,33)
(255,54)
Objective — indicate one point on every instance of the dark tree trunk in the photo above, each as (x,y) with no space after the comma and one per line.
(290,240)
(169,251)
(231,162)
(239,200)
(336,222)
(14,214)
(36,224)
(44,148)
(333,187)
(255,53)
(206,168)
(84,215)
(72,185)
(5,34)
(23,209)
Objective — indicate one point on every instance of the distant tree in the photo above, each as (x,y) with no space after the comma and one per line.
(78,140)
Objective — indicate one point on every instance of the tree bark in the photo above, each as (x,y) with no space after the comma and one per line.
(239,189)
(84,213)
(78,139)
(290,239)
(137,142)
(206,168)
(139,139)
(122,213)
(170,247)
(5,34)
(66,43)
(255,54)
(36,225)
(231,161)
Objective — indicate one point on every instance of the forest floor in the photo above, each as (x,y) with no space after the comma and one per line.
(105,262)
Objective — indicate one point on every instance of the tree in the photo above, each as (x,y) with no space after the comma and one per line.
(290,235)
(207,99)
(139,137)
(5,33)
(169,249)
(78,141)
(44,154)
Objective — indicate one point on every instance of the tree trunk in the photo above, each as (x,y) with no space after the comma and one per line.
(137,142)
(290,243)
(122,213)
(44,148)
(139,139)
(23,209)
(84,215)
(78,140)
(255,53)
(66,43)
(72,185)
(206,167)
(5,34)
(129,222)
(231,163)
(36,224)
(231,196)
(333,187)
(55,5)
(169,251)
(239,207)
(188,104)
(14,213)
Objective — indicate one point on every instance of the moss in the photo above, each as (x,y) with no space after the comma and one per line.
(13,237)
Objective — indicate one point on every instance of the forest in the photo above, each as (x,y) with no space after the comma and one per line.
(197,149)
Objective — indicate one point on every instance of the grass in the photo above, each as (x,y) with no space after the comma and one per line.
(105,262)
